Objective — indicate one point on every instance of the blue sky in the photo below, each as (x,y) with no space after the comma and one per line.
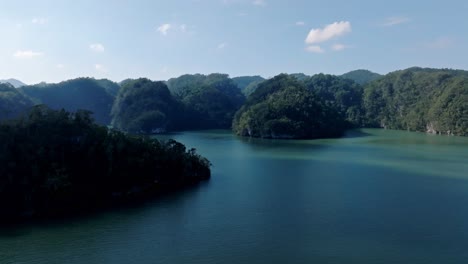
(55,40)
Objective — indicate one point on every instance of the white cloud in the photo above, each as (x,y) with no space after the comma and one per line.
(338,47)
(222,45)
(39,20)
(242,14)
(97,47)
(183,28)
(392,21)
(328,32)
(60,66)
(300,23)
(27,54)
(100,68)
(314,49)
(259,2)
(164,29)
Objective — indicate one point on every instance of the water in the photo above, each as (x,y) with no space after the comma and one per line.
(373,197)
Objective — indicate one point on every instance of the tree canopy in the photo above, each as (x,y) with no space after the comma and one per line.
(210,101)
(82,93)
(12,102)
(361,76)
(419,99)
(73,164)
(344,95)
(283,107)
(145,107)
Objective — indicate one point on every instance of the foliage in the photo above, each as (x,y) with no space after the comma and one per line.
(210,101)
(145,107)
(16,83)
(342,94)
(283,107)
(243,82)
(361,77)
(12,102)
(82,93)
(419,99)
(54,162)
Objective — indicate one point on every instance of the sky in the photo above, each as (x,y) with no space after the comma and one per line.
(56,40)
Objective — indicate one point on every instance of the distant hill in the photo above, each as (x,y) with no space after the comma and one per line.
(417,99)
(210,100)
(90,94)
(361,76)
(299,76)
(244,81)
(283,107)
(14,82)
(12,102)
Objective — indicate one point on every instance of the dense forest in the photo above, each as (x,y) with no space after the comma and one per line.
(415,99)
(361,77)
(96,96)
(73,164)
(145,107)
(283,107)
(418,99)
(12,102)
(344,95)
(210,101)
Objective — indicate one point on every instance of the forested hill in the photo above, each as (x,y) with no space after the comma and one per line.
(283,107)
(417,99)
(210,101)
(82,93)
(55,162)
(16,83)
(244,81)
(361,76)
(12,102)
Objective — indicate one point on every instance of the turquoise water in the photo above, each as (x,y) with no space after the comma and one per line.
(374,196)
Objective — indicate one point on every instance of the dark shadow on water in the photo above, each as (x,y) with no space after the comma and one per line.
(355,133)
(129,207)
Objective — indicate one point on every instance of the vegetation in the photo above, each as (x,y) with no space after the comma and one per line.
(251,87)
(16,83)
(361,77)
(82,93)
(243,82)
(419,99)
(54,162)
(12,102)
(344,95)
(145,107)
(415,99)
(283,107)
(210,101)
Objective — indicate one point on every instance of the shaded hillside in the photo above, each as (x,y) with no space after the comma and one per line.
(145,107)
(82,93)
(12,102)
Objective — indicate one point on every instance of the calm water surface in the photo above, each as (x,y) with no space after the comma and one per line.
(373,197)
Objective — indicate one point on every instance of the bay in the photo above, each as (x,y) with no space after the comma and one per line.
(374,196)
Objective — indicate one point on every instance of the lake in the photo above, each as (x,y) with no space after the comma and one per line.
(374,196)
